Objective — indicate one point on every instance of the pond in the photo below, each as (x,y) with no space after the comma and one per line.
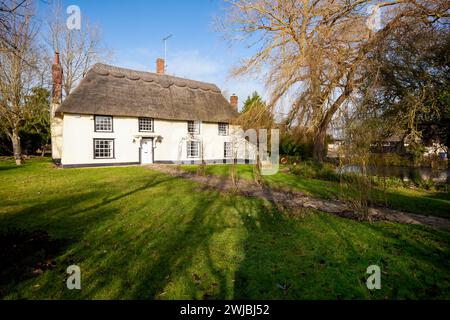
(404,173)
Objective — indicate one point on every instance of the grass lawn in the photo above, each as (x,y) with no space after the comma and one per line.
(137,233)
(414,201)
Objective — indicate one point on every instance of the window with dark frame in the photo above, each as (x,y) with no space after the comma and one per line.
(145,124)
(103,148)
(227,151)
(223,129)
(193,149)
(103,124)
(194,127)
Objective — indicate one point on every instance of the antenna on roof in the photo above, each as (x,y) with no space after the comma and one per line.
(165,49)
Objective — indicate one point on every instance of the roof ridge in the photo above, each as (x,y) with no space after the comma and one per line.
(131,74)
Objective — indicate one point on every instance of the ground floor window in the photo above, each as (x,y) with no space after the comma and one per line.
(193,149)
(103,148)
(227,151)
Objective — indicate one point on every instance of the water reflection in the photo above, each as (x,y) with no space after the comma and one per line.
(404,173)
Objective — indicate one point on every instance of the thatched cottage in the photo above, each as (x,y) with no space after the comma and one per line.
(118,116)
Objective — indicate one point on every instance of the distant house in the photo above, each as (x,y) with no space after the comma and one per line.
(118,116)
(334,147)
(436,149)
(391,144)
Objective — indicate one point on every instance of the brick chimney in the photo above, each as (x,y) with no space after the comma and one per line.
(57,80)
(160,66)
(56,120)
(234,101)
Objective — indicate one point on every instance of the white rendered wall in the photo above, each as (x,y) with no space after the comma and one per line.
(56,131)
(170,146)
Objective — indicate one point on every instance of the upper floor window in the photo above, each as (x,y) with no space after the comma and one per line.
(103,124)
(145,124)
(194,127)
(223,129)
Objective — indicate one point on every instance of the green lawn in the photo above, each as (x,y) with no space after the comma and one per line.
(137,233)
(414,201)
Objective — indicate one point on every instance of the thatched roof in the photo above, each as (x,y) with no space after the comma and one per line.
(108,90)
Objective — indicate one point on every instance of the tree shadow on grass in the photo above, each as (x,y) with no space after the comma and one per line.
(177,248)
(427,253)
(10,166)
(25,254)
(49,232)
(326,257)
(164,234)
(140,261)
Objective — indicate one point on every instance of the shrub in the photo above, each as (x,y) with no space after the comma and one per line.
(328,172)
(303,170)
(389,182)
(313,170)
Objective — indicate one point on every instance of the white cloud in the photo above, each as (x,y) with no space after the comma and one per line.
(193,65)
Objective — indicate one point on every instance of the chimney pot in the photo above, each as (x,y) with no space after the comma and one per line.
(160,66)
(56,60)
(234,101)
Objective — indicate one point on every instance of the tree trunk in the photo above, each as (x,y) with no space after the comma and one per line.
(17,150)
(319,145)
(321,135)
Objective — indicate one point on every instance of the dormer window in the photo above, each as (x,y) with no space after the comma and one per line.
(103,124)
(194,127)
(223,129)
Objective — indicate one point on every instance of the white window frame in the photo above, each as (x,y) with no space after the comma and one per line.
(189,149)
(97,144)
(193,127)
(146,121)
(99,121)
(224,129)
(227,146)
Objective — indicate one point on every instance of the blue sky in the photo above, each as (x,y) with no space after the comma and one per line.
(134,31)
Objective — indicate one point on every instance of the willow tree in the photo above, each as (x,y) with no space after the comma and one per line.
(407,84)
(312,51)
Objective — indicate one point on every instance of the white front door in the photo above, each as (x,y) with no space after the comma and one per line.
(147,151)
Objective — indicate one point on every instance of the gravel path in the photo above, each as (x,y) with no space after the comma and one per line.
(296,200)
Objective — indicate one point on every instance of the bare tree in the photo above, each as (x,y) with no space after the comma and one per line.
(7,10)
(79,49)
(314,49)
(18,75)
